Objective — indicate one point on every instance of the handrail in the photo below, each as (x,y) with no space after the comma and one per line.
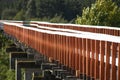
(87,28)
(90,54)
(79,34)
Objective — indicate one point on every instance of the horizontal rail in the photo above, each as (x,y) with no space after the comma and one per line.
(89,54)
(87,28)
(81,34)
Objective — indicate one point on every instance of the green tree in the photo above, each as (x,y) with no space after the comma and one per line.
(68,9)
(103,12)
(10,75)
(58,19)
(117,2)
(21,4)
(5,73)
(47,8)
(72,8)
(87,3)
(7,4)
(8,14)
(31,9)
(20,15)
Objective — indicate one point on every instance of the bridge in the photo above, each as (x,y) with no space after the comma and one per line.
(65,51)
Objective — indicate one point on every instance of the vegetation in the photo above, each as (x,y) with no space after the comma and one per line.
(103,12)
(5,72)
(43,9)
(8,14)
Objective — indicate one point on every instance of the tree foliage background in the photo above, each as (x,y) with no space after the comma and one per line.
(103,12)
(52,10)
(5,72)
(39,9)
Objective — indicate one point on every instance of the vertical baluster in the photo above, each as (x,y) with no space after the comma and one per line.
(80,56)
(97,46)
(77,56)
(48,44)
(51,46)
(57,45)
(119,33)
(67,52)
(107,64)
(88,58)
(119,61)
(59,48)
(92,60)
(35,46)
(54,47)
(84,57)
(39,41)
(64,49)
(70,56)
(42,39)
(55,37)
(114,53)
(102,67)
(73,53)
(116,32)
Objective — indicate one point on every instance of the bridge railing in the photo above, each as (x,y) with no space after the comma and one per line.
(95,29)
(87,28)
(92,55)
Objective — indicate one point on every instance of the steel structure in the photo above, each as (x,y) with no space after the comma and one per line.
(90,51)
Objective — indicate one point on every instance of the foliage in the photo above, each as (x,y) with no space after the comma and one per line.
(8,14)
(21,4)
(40,9)
(72,8)
(67,8)
(31,9)
(41,19)
(58,19)
(20,15)
(47,9)
(55,19)
(117,2)
(10,75)
(103,12)
(5,73)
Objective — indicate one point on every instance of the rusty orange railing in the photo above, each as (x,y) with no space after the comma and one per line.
(90,54)
(95,29)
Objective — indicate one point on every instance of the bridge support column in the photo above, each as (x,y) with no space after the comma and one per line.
(25,63)
(15,55)
(17,72)
(13,49)
(27,75)
(37,76)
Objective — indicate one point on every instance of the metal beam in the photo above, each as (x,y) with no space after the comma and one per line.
(29,73)
(15,55)
(24,63)
(13,49)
